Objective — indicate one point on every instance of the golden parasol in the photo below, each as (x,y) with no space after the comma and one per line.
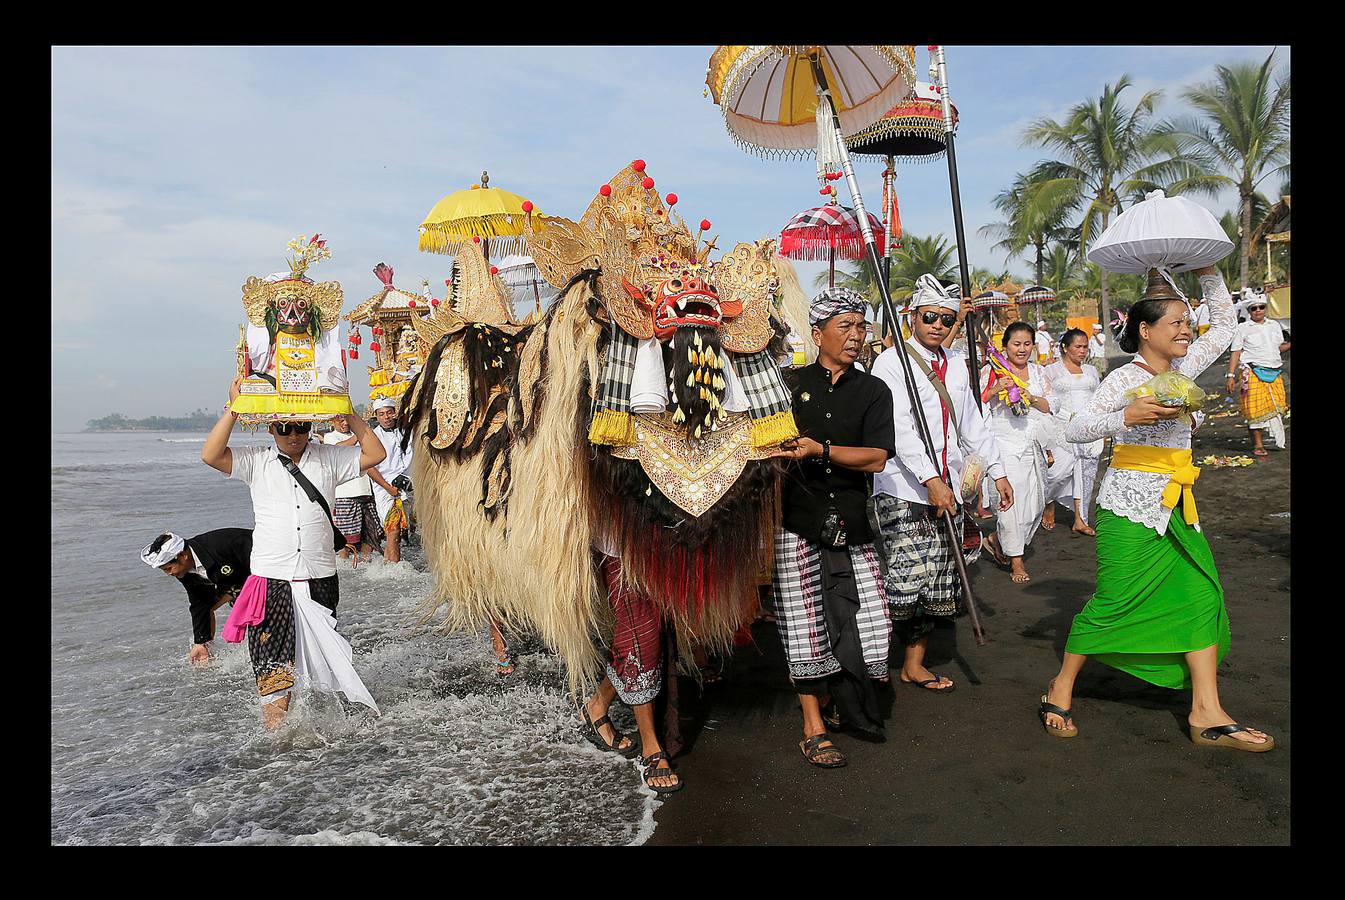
(480,211)
(779,99)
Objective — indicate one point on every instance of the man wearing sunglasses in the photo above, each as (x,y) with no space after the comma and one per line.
(1257,369)
(292,540)
(910,493)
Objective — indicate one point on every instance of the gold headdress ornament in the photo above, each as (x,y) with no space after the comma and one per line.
(325,298)
(478,297)
(633,243)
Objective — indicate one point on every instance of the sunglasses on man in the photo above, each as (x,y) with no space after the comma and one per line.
(1256,307)
(285,428)
(930,317)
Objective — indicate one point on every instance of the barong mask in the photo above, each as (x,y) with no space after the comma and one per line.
(294,303)
(652,279)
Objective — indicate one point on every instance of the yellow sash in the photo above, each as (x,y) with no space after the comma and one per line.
(1176,463)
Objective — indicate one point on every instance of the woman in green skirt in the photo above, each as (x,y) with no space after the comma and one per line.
(1158,612)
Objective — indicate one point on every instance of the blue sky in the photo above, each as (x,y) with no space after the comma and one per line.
(179,172)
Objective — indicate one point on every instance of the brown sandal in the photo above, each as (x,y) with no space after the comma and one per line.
(1222,736)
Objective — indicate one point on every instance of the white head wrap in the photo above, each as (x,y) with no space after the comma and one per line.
(929,292)
(1097,327)
(1041,323)
(165,554)
(382,403)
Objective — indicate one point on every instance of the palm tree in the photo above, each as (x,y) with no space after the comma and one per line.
(1107,152)
(1034,217)
(1246,136)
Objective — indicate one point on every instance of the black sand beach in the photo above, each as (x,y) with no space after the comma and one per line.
(974,766)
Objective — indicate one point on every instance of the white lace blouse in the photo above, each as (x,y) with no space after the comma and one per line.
(1139,495)
(1074,392)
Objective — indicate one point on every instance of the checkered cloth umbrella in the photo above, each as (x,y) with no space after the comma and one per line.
(826,232)
(1036,294)
(987,299)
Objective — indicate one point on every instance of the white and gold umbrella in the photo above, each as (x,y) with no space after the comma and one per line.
(769,92)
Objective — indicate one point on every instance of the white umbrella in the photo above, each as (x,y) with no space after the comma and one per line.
(525,281)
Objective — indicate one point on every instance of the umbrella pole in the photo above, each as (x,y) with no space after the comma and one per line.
(962,265)
(536,297)
(888,174)
(831,267)
(908,375)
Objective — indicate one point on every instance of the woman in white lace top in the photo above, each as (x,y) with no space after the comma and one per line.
(1158,611)
(1022,434)
(1072,474)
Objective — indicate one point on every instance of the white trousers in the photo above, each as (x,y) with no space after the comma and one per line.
(1019,523)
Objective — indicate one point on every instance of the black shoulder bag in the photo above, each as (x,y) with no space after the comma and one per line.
(338,539)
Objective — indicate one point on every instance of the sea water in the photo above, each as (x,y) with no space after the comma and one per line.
(148,750)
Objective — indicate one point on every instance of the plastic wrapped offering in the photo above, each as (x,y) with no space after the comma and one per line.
(973,470)
(1171,389)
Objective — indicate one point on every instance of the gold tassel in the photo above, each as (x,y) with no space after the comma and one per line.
(691,356)
(691,379)
(678,416)
(612,427)
(770,431)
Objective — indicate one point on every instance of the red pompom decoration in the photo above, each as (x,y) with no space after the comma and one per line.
(353,354)
(476,239)
(527,206)
(671,199)
(638,165)
(494,270)
(647,183)
(374,347)
(434,302)
(932,47)
(411,304)
(605,190)
(705,224)
(355,338)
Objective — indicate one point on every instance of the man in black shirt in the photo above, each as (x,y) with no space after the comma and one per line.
(212,567)
(829,596)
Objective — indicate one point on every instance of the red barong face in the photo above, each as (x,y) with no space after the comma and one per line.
(293,313)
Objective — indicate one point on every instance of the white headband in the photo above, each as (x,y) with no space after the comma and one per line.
(165,554)
(928,292)
(383,403)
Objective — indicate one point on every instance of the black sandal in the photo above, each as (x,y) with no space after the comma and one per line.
(1067,719)
(595,736)
(813,750)
(663,771)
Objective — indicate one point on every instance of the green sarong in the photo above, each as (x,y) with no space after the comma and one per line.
(1158,597)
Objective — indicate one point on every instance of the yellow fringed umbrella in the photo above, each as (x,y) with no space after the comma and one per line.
(768,92)
(491,214)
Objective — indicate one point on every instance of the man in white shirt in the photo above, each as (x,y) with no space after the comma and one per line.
(1257,368)
(910,493)
(1097,350)
(1043,341)
(354,512)
(396,465)
(292,539)
(1200,316)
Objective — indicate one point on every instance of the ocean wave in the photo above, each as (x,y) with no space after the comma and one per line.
(183,440)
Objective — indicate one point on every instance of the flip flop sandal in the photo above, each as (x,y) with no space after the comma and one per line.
(814,752)
(1262,454)
(1016,578)
(663,771)
(935,680)
(1044,709)
(595,736)
(504,668)
(1221,736)
(996,556)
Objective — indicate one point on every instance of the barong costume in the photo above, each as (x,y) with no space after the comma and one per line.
(1263,399)
(922,583)
(1073,474)
(829,601)
(1022,440)
(635,418)
(1158,593)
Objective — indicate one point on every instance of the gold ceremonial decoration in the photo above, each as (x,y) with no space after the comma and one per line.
(692,474)
(325,297)
(451,387)
(747,274)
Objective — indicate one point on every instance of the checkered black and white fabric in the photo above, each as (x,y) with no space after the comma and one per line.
(618,371)
(798,608)
(922,577)
(759,374)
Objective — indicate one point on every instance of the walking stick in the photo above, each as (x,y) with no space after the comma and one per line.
(908,375)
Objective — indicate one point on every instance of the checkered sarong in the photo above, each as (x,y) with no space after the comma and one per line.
(618,370)
(798,608)
(765,387)
(1262,400)
(922,577)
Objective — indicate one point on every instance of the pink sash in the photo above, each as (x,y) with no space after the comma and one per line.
(249,609)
